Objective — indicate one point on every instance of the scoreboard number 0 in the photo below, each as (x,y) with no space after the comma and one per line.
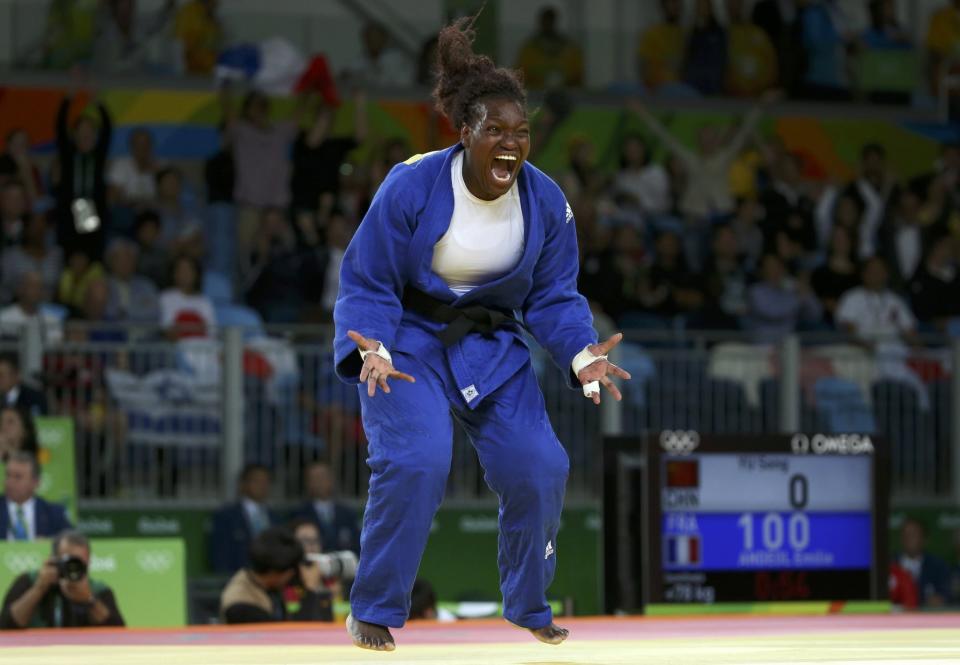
(799,491)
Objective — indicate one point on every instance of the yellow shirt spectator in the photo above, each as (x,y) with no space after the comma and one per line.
(751,60)
(943,32)
(661,53)
(550,63)
(199,31)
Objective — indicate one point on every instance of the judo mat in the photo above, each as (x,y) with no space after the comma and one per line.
(777,640)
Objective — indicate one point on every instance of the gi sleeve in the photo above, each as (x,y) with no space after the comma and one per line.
(372,275)
(555,313)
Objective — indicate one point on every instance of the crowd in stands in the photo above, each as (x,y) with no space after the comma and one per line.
(813,49)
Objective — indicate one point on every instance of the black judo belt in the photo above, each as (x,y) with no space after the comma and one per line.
(460,320)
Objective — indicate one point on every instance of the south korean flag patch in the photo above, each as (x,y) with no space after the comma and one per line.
(569,214)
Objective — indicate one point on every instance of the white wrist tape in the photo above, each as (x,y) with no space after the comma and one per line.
(584,359)
(381,351)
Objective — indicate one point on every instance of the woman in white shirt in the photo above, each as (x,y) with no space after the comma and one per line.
(184,310)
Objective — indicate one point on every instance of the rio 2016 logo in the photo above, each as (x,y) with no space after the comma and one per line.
(154,561)
(679,442)
(20,562)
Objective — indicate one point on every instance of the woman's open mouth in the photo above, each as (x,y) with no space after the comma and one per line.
(504,166)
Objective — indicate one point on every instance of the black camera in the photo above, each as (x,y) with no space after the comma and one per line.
(72,568)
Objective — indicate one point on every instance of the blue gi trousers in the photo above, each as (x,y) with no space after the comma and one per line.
(410,433)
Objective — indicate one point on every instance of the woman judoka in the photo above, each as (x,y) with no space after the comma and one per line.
(455,243)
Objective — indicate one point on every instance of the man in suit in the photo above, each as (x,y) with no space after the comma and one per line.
(237,524)
(14,393)
(24,515)
(338,523)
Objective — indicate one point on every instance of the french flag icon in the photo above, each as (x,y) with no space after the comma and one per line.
(683,550)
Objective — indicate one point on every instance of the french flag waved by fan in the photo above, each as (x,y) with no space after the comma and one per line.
(683,550)
(276,67)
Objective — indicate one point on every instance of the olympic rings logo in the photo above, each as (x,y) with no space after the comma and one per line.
(679,442)
(18,562)
(154,561)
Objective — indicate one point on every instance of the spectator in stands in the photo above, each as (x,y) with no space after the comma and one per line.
(824,75)
(885,32)
(725,282)
(125,41)
(874,187)
(943,43)
(61,594)
(132,179)
(219,172)
(80,272)
(929,571)
(255,594)
(838,274)
(549,58)
(668,288)
(23,514)
(131,297)
(69,33)
(900,240)
(17,431)
(708,190)
(339,233)
(200,32)
(788,204)
(661,52)
(839,207)
(644,181)
(17,164)
(14,212)
(777,18)
(582,181)
(36,253)
(705,59)
(261,150)
(235,525)
(179,220)
(14,318)
(338,523)
(877,316)
(14,393)
(153,259)
(933,289)
(79,177)
(779,303)
(751,58)
(282,272)
(317,160)
(184,310)
(745,224)
(380,64)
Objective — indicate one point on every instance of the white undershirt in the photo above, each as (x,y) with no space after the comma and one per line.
(485,238)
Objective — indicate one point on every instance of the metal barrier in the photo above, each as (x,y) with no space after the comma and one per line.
(162,421)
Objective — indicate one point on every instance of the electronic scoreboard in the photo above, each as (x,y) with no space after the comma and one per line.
(720,519)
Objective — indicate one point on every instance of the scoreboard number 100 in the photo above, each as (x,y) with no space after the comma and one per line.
(772,528)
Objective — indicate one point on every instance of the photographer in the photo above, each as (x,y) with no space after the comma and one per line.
(268,590)
(60,594)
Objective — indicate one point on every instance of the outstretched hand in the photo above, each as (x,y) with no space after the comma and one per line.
(601,370)
(376,370)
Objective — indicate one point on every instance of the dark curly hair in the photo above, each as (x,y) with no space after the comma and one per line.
(464,78)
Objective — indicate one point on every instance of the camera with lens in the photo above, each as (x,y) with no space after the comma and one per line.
(72,568)
(340,565)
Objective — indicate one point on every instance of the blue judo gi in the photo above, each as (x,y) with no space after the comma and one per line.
(486,382)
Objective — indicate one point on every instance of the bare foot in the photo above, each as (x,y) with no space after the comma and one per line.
(552,634)
(370,635)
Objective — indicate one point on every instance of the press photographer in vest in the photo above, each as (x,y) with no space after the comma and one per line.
(61,594)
